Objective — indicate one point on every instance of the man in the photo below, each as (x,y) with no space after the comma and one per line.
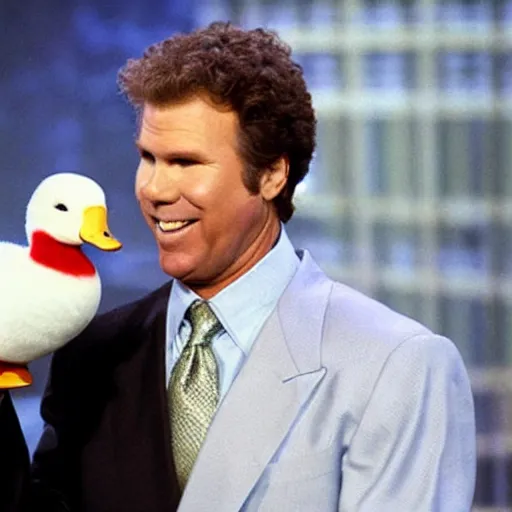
(250,381)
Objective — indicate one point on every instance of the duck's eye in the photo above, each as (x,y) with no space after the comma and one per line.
(62,207)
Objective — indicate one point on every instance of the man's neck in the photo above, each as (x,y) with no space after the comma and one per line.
(262,244)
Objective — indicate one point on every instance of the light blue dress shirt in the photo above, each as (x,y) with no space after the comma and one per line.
(242,308)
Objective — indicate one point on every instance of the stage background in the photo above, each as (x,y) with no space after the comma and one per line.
(410,194)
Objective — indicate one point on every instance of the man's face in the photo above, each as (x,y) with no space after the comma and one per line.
(207,225)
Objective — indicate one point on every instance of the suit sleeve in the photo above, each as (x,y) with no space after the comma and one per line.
(14,458)
(19,490)
(414,449)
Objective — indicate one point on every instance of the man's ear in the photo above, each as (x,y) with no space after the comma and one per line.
(274,179)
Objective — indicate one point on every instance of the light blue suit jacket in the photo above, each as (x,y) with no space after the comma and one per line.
(342,405)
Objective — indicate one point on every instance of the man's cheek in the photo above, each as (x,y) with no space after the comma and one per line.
(142,177)
(202,188)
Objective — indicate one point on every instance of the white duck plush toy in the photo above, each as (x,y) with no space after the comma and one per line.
(50,290)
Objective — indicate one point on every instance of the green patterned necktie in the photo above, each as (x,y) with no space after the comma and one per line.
(193,389)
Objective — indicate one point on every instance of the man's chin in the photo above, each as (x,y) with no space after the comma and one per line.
(176,267)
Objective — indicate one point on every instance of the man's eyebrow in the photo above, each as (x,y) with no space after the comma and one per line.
(180,154)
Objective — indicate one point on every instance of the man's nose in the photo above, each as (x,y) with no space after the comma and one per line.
(162,185)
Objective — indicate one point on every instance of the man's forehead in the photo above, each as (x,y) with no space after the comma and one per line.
(194,119)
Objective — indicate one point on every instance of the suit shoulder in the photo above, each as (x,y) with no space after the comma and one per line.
(364,340)
(427,352)
(121,321)
(357,322)
(136,311)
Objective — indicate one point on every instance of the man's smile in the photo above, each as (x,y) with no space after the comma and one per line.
(172,226)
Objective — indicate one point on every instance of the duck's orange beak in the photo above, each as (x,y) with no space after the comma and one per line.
(14,376)
(95,229)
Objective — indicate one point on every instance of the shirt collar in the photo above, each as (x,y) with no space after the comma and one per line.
(237,305)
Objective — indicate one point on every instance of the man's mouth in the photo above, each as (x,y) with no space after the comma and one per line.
(172,226)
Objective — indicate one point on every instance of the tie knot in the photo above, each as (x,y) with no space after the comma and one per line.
(205,325)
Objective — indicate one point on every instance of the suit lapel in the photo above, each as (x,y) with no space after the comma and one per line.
(279,376)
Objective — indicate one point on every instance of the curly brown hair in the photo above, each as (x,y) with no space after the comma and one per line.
(249,71)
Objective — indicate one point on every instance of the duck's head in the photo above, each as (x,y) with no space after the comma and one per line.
(70,208)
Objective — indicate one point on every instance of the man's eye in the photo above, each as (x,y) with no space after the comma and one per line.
(184,162)
(147,156)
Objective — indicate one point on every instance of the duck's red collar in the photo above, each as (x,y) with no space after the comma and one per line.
(68,259)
